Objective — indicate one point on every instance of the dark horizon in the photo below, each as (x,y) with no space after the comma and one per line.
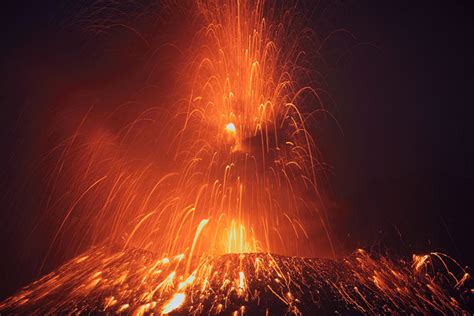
(401,177)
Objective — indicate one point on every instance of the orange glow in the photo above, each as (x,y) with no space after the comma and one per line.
(239,240)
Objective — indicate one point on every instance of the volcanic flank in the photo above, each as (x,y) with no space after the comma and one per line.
(134,281)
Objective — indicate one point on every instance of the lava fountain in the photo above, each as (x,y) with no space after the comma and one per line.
(197,234)
(247,158)
(233,149)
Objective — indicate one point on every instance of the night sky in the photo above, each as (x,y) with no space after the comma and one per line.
(401,76)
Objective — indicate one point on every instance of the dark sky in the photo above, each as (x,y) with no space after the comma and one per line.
(402,83)
(404,165)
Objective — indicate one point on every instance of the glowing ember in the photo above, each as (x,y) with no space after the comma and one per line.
(230,128)
(174,303)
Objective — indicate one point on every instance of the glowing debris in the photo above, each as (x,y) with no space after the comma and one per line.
(174,303)
(256,282)
(230,128)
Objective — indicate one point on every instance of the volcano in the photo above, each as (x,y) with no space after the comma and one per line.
(136,282)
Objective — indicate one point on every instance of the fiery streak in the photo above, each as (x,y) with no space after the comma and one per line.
(174,303)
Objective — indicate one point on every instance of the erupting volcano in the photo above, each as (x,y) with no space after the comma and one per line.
(231,218)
